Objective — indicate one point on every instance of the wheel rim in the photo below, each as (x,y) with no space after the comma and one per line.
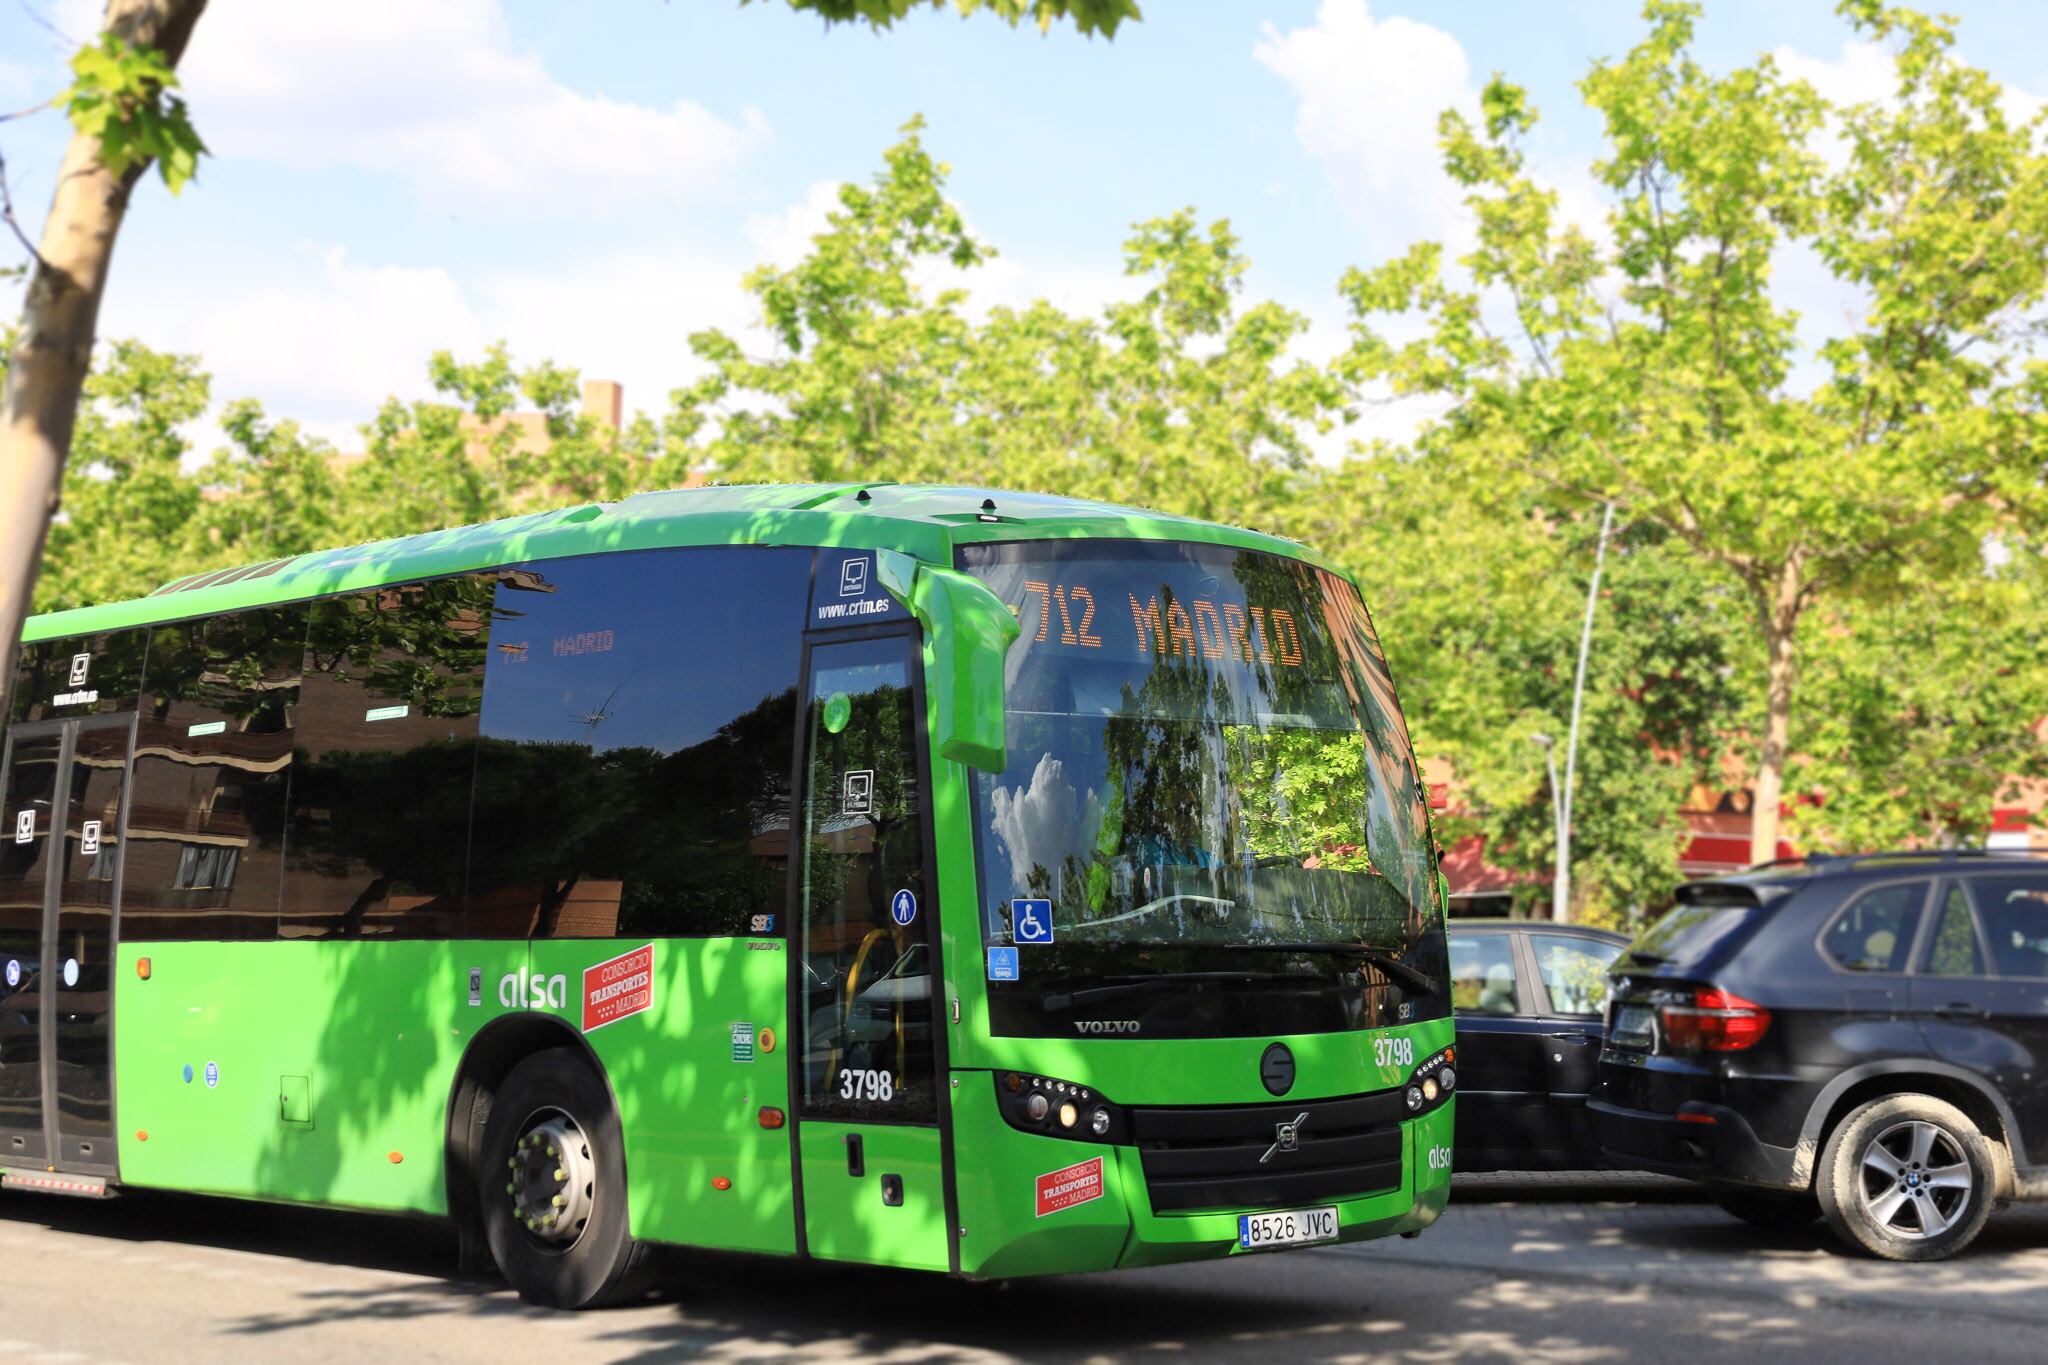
(1916,1180)
(552,1179)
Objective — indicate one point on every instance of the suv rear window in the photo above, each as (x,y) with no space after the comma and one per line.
(1691,930)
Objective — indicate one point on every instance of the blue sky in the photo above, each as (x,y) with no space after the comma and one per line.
(588,183)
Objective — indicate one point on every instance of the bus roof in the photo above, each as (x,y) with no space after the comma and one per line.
(923,520)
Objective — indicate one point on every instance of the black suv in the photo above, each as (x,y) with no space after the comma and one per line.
(1860,1038)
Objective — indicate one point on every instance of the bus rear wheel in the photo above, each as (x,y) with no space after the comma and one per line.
(552,1187)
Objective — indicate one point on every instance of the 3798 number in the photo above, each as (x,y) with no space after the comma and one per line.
(1393,1051)
(866,1085)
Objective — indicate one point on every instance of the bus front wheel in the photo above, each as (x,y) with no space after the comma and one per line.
(552,1186)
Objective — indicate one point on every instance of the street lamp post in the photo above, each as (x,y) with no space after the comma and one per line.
(1560,886)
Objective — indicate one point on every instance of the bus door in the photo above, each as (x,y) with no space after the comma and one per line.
(63,824)
(874,1182)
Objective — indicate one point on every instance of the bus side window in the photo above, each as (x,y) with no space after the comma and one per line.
(385,758)
(213,757)
(639,716)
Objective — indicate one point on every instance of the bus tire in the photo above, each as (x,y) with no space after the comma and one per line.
(551,1183)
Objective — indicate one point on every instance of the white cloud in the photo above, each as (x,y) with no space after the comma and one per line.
(1370,93)
(436,94)
(1042,823)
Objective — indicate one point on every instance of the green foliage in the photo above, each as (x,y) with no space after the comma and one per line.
(1661,373)
(1089,16)
(1179,399)
(121,94)
(1919,716)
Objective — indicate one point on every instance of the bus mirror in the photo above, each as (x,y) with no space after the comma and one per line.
(971,629)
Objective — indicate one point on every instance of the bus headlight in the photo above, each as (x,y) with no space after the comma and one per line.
(1056,1108)
(1431,1084)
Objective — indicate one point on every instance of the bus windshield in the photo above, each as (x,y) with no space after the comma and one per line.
(1206,761)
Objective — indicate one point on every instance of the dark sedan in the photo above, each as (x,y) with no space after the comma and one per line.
(1528,996)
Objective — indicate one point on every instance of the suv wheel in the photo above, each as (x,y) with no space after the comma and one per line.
(1773,1210)
(1906,1177)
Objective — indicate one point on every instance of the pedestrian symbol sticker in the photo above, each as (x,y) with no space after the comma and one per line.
(903,908)
(1002,964)
(743,1042)
(25,826)
(212,1075)
(89,839)
(1031,921)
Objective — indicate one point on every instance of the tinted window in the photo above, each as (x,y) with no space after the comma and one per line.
(1574,971)
(385,758)
(1691,930)
(213,756)
(638,726)
(89,676)
(1483,973)
(1954,949)
(1874,932)
(2014,909)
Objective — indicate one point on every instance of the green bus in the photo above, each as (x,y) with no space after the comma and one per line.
(968,881)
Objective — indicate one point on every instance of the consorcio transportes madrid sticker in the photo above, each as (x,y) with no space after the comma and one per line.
(618,987)
(1070,1185)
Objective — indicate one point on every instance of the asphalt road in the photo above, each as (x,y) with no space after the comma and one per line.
(1522,1269)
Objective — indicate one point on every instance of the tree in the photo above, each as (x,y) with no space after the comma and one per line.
(1476,587)
(1925,710)
(1180,399)
(125,118)
(1661,373)
(130,508)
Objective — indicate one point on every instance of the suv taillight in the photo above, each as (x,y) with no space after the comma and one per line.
(1715,1021)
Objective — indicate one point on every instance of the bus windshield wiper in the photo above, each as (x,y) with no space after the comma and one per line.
(1378,957)
(1061,1000)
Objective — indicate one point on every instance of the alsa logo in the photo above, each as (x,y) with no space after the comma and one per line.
(516,990)
(1439,1158)
(1106,1026)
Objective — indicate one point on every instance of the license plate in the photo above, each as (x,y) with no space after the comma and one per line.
(1634,1026)
(1258,1231)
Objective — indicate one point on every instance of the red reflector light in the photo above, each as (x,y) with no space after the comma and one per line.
(1716,1021)
(772,1118)
(719,1182)
(1697,1118)
(142,968)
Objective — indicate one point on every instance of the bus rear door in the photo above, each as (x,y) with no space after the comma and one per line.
(63,822)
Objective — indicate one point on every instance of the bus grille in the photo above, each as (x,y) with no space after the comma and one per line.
(1218,1157)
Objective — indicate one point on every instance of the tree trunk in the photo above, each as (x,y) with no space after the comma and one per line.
(46,374)
(1780,620)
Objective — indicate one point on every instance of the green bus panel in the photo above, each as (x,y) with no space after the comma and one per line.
(305,1071)
(1003,1233)
(1009,1182)
(844,1214)
(691,1074)
(321,1071)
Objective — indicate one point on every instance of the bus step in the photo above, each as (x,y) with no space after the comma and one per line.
(56,1182)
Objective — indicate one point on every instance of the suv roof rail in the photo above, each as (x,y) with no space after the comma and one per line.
(1945,855)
